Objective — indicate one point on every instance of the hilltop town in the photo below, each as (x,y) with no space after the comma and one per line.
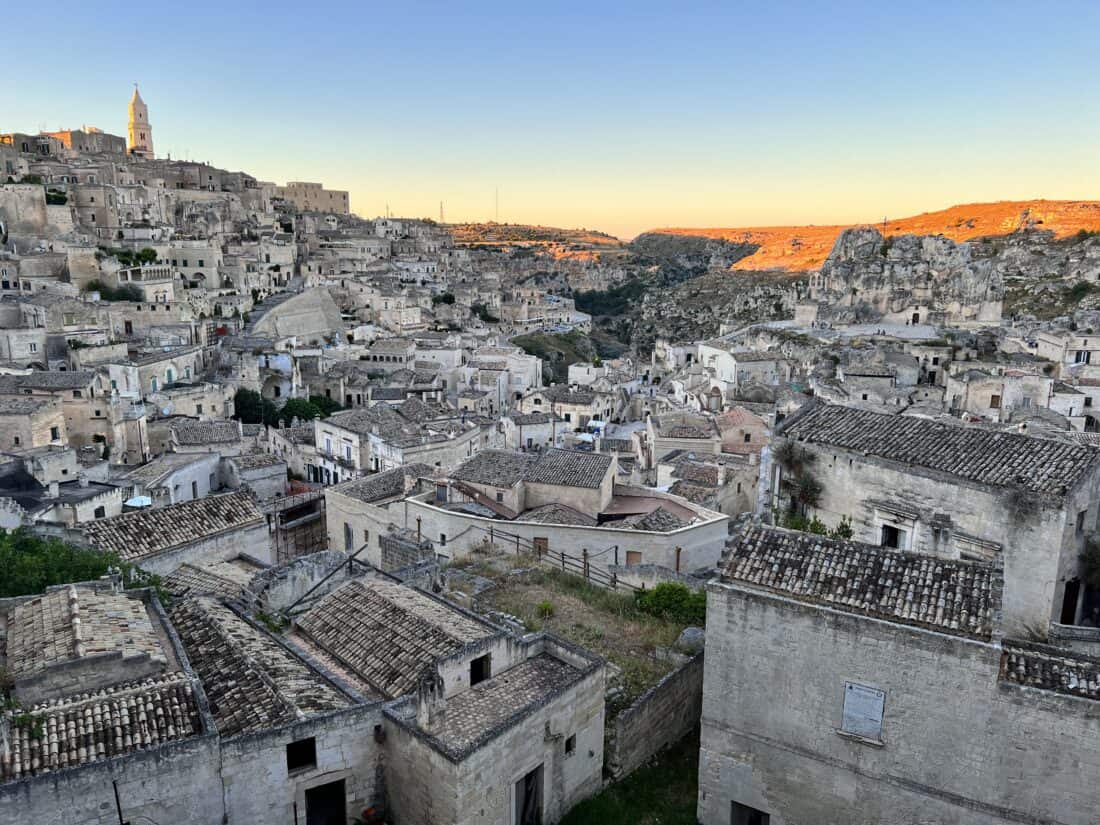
(315,518)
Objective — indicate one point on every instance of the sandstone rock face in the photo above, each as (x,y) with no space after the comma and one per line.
(906,279)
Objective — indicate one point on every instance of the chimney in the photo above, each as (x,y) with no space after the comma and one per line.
(82,479)
(55,489)
(431,707)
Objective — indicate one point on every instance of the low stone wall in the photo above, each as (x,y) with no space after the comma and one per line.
(651,575)
(661,716)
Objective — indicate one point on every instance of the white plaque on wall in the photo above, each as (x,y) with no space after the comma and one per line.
(863,707)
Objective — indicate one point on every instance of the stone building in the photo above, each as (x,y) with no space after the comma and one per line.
(557,501)
(313,197)
(849,683)
(950,491)
(487,727)
(115,726)
(159,540)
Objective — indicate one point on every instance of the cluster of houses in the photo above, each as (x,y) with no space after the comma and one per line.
(283,424)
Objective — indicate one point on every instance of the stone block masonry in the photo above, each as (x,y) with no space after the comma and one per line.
(660,717)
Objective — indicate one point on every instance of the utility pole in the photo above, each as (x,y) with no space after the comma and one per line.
(441,211)
(496,204)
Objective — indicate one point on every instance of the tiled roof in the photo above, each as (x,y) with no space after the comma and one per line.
(695,493)
(220,578)
(570,468)
(979,455)
(195,433)
(43,380)
(387,633)
(75,623)
(91,727)
(497,468)
(1048,668)
(523,420)
(659,520)
(488,705)
(696,472)
(941,594)
(302,434)
(24,406)
(153,471)
(561,394)
(256,461)
(382,485)
(147,532)
(557,514)
(251,680)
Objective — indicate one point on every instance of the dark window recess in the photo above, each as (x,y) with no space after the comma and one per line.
(891,536)
(480,669)
(301,754)
(744,815)
(571,744)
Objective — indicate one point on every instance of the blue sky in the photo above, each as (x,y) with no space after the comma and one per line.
(612,116)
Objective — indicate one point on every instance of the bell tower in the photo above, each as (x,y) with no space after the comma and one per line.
(140,132)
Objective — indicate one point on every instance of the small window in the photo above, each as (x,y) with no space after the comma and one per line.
(480,669)
(442,539)
(571,745)
(17,441)
(77,394)
(33,347)
(995,402)
(1081,521)
(500,496)
(55,434)
(301,755)
(891,537)
(100,512)
(748,438)
(633,558)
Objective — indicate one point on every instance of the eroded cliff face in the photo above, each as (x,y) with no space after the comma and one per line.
(905,279)
(936,280)
(697,308)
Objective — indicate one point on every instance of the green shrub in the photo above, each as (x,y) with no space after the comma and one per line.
(675,602)
(110,293)
(545,609)
(31,564)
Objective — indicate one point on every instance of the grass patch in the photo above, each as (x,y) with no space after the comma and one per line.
(661,792)
(607,622)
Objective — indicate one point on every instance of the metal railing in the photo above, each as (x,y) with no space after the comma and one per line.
(581,566)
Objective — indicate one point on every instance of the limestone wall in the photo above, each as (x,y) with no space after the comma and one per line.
(958,746)
(252,541)
(661,716)
(174,784)
(258,787)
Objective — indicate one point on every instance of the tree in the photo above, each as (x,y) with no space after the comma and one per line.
(443,298)
(31,564)
(298,408)
(250,407)
(325,405)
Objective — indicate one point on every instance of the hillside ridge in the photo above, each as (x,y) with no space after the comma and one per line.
(801,248)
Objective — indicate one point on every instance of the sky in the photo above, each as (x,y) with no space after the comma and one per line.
(619,117)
